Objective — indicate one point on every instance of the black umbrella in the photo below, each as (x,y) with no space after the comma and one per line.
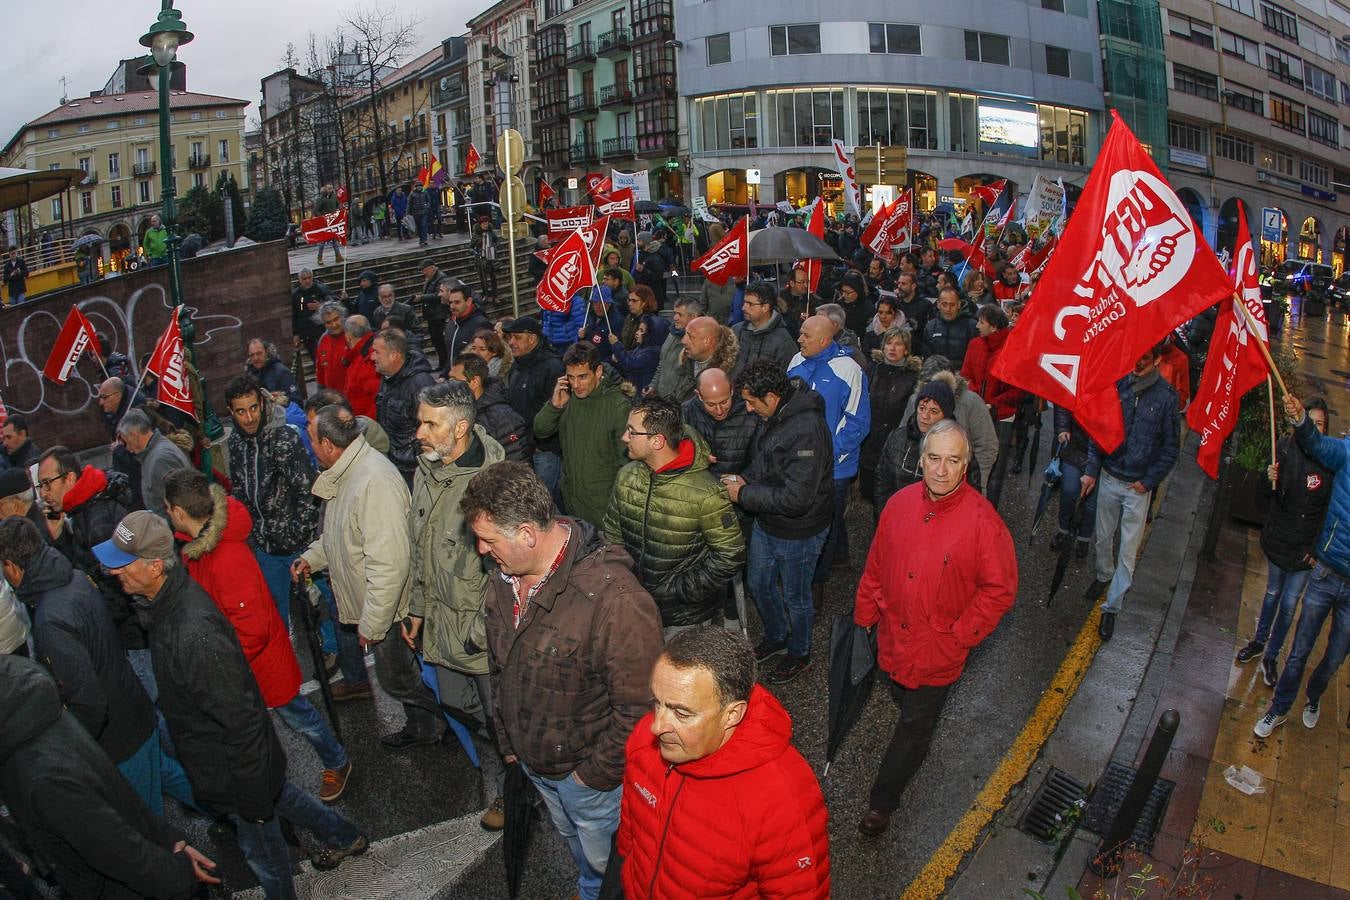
(853,666)
(300,600)
(1035,437)
(675,209)
(518,805)
(1062,561)
(776,244)
(646,207)
(1053,475)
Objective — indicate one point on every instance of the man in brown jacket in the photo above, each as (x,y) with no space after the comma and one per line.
(572,638)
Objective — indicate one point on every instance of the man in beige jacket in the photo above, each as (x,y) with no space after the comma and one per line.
(364,545)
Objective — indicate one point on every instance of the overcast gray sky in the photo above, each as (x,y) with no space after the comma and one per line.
(235,43)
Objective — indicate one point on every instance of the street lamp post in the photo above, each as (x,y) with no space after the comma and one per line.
(165,36)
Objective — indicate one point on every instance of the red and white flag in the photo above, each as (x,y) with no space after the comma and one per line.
(728,258)
(619,204)
(900,229)
(1030,261)
(77,335)
(1235,363)
(815,225)
(546,192)
(326,227)
(989,193)
(593,235)
(597,183)
(1132,265)
(169,365)
(570,268)
(472,159)
(567,219)
(852,193)
(874,236)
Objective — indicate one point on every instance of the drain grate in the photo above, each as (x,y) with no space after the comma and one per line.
(1108,795)
(1049,809)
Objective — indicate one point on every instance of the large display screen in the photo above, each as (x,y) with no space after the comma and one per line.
(1008,127)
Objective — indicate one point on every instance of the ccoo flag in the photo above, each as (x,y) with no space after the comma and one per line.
(1130,266)
(1238,366)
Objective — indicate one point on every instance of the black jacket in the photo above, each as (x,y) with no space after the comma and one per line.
(304,321)
(729,440)
(789,484)
(94,506)
(949,339)
(396,410)
(366,298)
(459,334)
(211,701)
(898,466)
(500,420)
(917,312)
(271,474)
(530,382)
(890,389)
(83,819)
(275,377)
(402,310)
(773,341)
(1075,451)
(25,456)
(74,636)
(433,310)
(1302,495)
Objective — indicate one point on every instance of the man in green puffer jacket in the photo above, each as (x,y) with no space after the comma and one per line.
(589,415)
(673,517)
(445,604)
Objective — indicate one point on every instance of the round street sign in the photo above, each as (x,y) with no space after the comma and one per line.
(517,198)
(510,146)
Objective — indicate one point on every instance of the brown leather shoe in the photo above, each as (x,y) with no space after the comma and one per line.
(346,690)
(875,822)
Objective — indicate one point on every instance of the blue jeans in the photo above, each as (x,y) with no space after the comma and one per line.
(351,656)
(586,819)
(548,466)
(302,718)
(1283,588)
(152,773)
(265,848)
(1118,507)
(1070,486)
(276,572)
(1328,595)
(836,539)
(778,574)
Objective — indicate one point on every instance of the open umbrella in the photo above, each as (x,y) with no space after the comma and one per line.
(646,207)
(1062,561)
(777,244)
(674,209)
(853,666)
(1053,475)
(87,240)
(518,805)
(300,600)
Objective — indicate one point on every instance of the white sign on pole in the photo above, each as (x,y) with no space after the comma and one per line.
(752,176)
(571,184)
(638,181)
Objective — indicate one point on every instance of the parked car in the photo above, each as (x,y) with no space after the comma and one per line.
(1304,277)
(1338,293)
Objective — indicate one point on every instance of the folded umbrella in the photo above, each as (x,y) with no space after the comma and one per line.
(1053,474)
(1062,562)
(518,805)
(300,601)
(853,665)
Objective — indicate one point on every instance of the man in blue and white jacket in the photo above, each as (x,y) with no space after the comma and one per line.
(831,372)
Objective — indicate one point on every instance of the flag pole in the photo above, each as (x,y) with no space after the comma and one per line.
(1270,398)
(1254,327)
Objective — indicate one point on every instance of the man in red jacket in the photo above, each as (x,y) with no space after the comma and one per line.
(940,575)
(361,381)
(717,802)
(215,530)
(328,371)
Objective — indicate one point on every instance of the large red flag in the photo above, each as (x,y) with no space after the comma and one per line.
(900,228)
(875,236)
(77,335)
(326,227)
(989,193)
(597,183)
(570,268)
(1238,366)
(620,204)
(545,192)
(593,236)
(1130,266)
(472,159)
(167,364)
(566,219)
(729,258)
(815,225)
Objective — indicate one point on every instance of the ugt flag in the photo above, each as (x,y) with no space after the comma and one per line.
(1129,267)
(168,364)
(326,227)
(77,335)
(729,258)
(1235,363)
(570,268)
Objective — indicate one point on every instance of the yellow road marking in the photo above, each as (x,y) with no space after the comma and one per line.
(1012,769)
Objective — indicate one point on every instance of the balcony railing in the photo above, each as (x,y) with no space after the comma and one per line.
(619,146)
(581,103)
(144,169)
(199,162)
(616,94)
(614,41)
(582,153)
(654,85)
(581,52)
(90,178)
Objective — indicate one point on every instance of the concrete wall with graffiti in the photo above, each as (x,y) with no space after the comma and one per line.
(234,296)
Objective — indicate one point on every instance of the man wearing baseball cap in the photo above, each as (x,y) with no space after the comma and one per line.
(232,756)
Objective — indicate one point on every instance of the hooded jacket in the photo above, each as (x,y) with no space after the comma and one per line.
(590,430)
(448,574)
(219,559)
(789,484)
(639,364)
(939,576)
(503,423)
(674,375)
(363,381)
(459,334)
(949,339)
(304,324)
(772,340)
(978,370)
(93,507)
(1333,542)
(840,381)
(83,820)
(972,414)
(215,713)
(75,638)
(364,539)
(275,377)
(560,328)
(367,298)
(729,440)
(681,530)
(746,821)
(574,678)
(396,410)
(530,382)
(1303,491)
(271,475)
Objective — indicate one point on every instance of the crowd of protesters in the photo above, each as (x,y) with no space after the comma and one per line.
(558,517)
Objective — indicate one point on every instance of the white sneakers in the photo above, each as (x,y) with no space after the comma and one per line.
(1311,713)
(1271,720)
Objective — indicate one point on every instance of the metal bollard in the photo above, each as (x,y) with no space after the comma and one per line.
(1107,861)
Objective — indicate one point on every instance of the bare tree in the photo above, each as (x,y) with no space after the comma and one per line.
(381,40)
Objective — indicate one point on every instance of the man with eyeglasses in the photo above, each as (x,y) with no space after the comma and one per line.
(673,517)
(763,334)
